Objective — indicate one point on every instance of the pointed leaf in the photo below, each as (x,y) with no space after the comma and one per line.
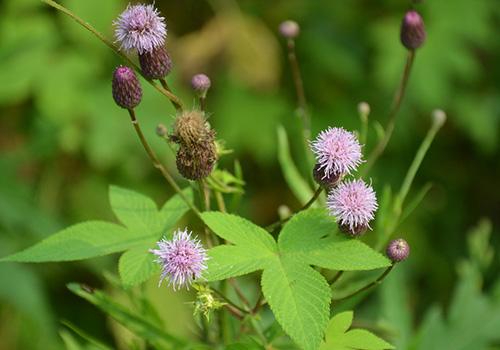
(299,298)
(81,241)
(308,236)
(137,265)
(239,231)
(339,324)
(173,210)
(134,210)
(227,261)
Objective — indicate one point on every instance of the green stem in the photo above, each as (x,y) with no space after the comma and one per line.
(336,278)
(229,302)
(368,286)
(205,200)
(173,98)
(398,98)
(175,103)
(307,205)
(157,164)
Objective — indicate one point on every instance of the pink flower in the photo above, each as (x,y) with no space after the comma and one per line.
(353,203)
(182,259)
(140,27)
(337,151)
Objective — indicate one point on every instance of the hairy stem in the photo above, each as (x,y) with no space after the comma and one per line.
(173,98)
(158,165)
(368,286)
(398,98)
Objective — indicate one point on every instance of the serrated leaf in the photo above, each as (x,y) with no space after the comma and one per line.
(338,337)
(237,230)
(134,322)
(136,211)
(292,176)
(299,297)
(173,210)
(81,241)
(308,237)
(137,265)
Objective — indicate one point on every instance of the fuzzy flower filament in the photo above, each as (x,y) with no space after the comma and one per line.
(353,203)
(182,259)
(140,27)
(337,152)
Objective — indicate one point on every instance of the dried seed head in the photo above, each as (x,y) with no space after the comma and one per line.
(155,64)
(201,83)
(398,250)
(412,30)
(197,152)
(127,91)
(289,29)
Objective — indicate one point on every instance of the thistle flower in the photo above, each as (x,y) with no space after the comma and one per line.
(182,259)
(155,64)
(412,30)
(127,91)
(398,250)
(353,203)
(289,29)
(140,27)
(337,151)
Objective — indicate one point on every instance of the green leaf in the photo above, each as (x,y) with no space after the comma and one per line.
(134,322)
(173,210)
(299,297)
(81,241)
(292,176)
(338,337)
(137,265)
(308,237)
(136,211)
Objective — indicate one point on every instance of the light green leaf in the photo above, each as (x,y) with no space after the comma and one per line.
(239,231)
(308,237)
(137,265)
(231,261)
(136,211)
(173,210)
(299,298)
(338,337)
(81,241)
(134,322)
(292,176)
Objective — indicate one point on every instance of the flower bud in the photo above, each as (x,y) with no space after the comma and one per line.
(412,30)
(289,29)
(161,130)
(363,109)
(327,180)
(127,91)
(201,83)
(155,64)
(438,117)
(398,250)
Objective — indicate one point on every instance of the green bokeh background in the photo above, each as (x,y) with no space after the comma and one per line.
(63,141)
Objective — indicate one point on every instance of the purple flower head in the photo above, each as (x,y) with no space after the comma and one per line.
(201,83)
(182,259)
(289,29)
(353,203)
(337,151)
(140,27)
(398,250)
(412,30)
(126,89)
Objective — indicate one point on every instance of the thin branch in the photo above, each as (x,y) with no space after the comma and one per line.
(158,165)
(368,286)
(398,98)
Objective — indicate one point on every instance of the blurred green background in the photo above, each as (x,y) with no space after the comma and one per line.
(63,141)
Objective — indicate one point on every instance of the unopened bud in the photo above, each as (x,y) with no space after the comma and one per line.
(201,83)
(289,29)
(412,30)
(438,117)
(323,179)
(161,130)
(398,250)
(363,109)
(155,64)
(127,91)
